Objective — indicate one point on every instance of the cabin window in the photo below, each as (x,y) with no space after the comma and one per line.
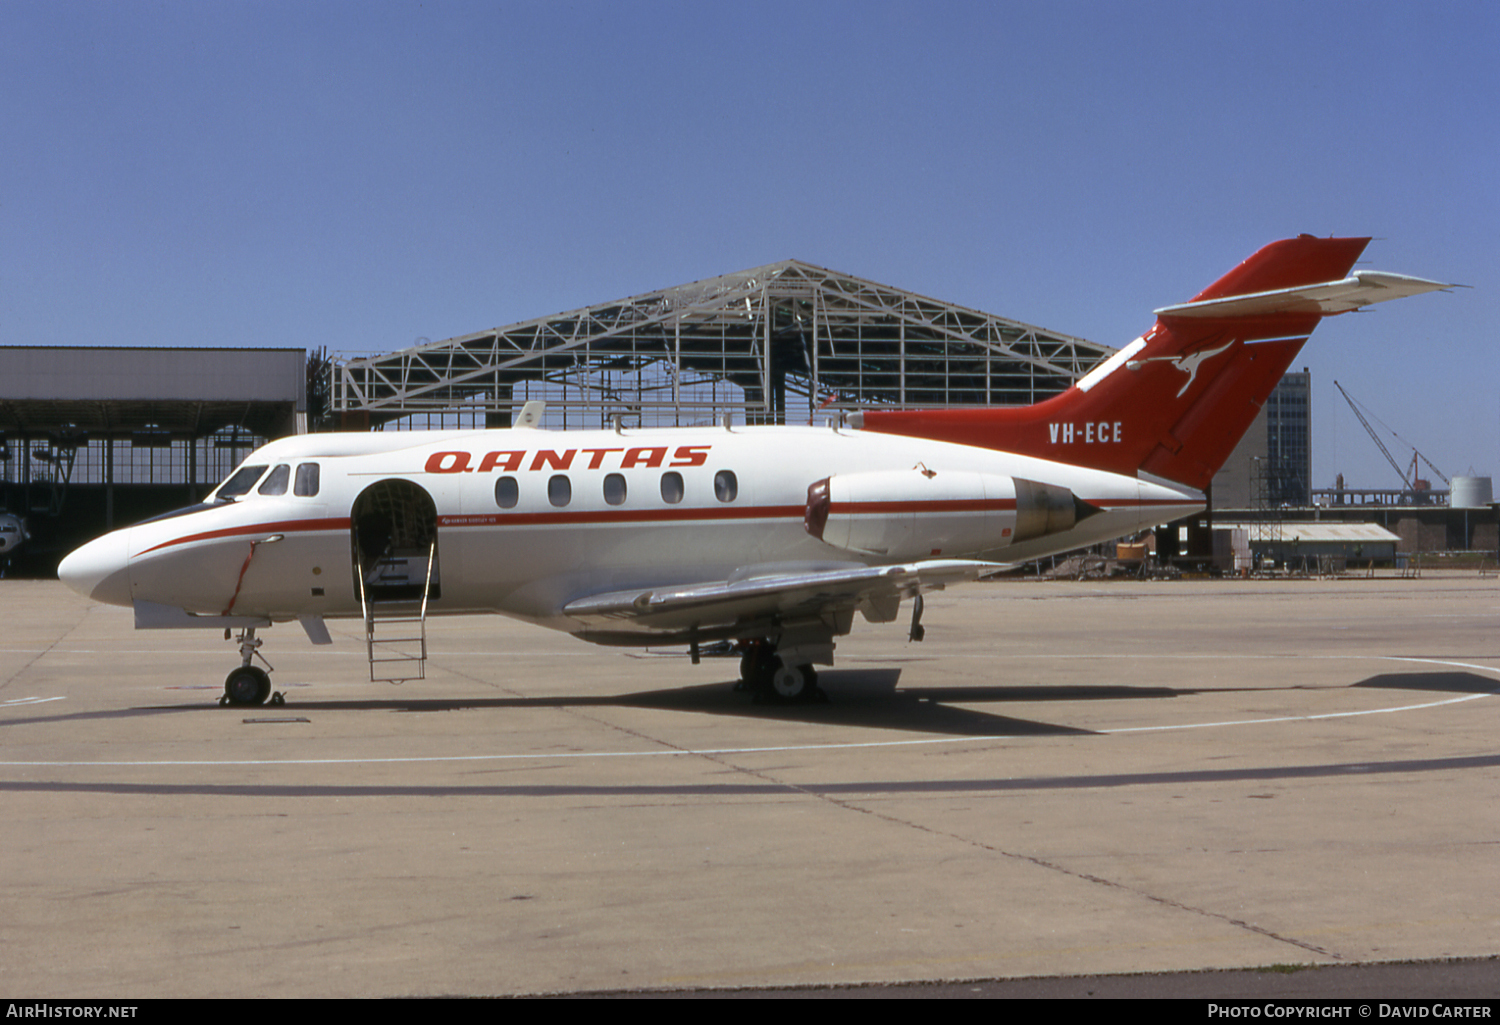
(507,492)
(276,481)
(306,484)
(241,481)
(671,487)
(559,490)
(614,488)
(726,487)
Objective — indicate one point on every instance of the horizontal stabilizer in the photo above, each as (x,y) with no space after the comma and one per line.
(1361,289)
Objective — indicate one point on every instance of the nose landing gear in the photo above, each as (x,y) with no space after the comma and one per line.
(249,685)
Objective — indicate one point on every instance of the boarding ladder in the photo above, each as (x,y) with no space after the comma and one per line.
(399,653)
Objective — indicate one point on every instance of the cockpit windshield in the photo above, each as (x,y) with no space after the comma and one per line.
(239,482)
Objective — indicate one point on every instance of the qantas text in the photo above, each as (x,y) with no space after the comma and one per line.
(546,459)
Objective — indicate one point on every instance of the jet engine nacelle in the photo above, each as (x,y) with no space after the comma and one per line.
(921,513)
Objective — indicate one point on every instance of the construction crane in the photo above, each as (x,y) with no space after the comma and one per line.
(1410,483)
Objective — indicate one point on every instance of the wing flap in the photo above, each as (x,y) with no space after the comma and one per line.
(783,594)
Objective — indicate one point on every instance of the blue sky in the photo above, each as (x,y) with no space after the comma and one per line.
(365,174)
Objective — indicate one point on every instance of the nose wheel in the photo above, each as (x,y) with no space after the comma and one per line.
(249,684)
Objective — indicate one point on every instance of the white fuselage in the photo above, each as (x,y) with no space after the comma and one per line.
(521,549)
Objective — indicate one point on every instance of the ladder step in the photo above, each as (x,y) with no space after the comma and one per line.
(388,651)
(397,656)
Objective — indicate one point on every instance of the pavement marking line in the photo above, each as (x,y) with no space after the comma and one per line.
(1337,715)
(1295,718)
(703,752)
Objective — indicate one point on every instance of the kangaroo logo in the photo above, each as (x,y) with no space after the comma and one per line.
(1188,364)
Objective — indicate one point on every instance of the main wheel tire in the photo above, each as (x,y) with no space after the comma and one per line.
(247,685)
(790,684)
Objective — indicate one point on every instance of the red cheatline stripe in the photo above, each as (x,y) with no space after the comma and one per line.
(279,527)
(767,512)
(747,513)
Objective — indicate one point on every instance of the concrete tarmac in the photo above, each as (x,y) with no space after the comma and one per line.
(1063,779)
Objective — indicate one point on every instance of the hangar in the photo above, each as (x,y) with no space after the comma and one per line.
(763,345)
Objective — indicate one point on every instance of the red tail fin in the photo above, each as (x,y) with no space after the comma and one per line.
(1176,401)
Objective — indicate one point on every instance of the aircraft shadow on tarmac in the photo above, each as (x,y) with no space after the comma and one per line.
(872,698)
(868,698)
(856,697)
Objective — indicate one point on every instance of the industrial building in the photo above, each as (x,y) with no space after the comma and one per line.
(1272,465)
(96,437)
(1264,487)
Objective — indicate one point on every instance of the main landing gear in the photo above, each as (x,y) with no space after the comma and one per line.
(771,680)
(249,685)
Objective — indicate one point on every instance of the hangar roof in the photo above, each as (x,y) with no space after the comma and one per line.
(114,390)
(833,339)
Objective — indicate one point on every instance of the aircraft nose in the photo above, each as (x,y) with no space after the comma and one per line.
(100,569)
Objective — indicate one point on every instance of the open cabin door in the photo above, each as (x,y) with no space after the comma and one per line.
(394,542)
(393,532)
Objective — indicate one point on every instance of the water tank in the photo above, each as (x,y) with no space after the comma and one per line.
(1471,492)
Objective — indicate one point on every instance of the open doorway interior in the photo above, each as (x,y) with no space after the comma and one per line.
(393,531)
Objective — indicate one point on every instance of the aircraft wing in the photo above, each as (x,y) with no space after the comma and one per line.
(766,594)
